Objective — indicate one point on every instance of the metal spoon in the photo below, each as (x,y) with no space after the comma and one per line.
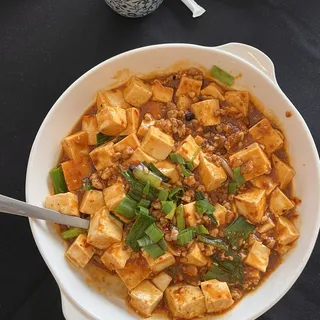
(20,208)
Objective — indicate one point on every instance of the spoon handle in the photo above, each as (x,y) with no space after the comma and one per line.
(20,208)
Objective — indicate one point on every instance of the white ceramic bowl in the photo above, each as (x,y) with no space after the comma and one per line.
(82,302)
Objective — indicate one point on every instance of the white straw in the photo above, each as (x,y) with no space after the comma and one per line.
(197,10)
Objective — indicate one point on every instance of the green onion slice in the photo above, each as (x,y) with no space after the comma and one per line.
(102,138)
(168,208)
(222,76)
(156,171)
(58,181)
(154,233)
(144,241)
(163,194)
(176,193)
(126,207)
(163,245)
(238,178)
(238,231)
(232,187)
(71,233)
(144,203)
(176,158)
(154,251)
(185,236)
(215,242)
(181,224)
(204,206)
(185,171)
(199,195)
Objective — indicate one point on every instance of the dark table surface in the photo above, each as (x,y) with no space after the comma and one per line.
(46,44)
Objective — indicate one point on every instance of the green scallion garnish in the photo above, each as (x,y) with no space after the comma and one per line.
(175,158)
(168,208)
(215,242)
(154,251)
(154,233)
(58,181)
(102,138)
(181,224)
(163,194)
(185,236)
(162,244)
(146,188)
(144,241)
(185,171)
(144,203)
(156,171)
(222,76)
(176,194)
(127,207)
(71,233)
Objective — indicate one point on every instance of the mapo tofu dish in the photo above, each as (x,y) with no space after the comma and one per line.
(188,189)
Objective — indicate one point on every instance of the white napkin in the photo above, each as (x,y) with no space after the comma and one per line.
(197,10)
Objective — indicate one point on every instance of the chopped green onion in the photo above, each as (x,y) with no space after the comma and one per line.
(163,194)
(176,158)
(176,193)
(138,229)
(232,187)
(168,208)
(102,138)
(230,271)
(86,185)
(154,233)
(71,233)
(215,242)
(142,173)
(181,224)
(126,207)
(141,210)
(189,165)
(185,236)
(144,203)
(222,76)
(185,171)
(144,241)
(201,229)
(157,172)
(58,181)
(146,188)
(154,251)
(162,244)
(238,231)
(199,195)
(203,206)
(134,195)
(238,178)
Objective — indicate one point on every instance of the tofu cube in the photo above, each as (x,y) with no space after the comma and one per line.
(184,102)
(188,85)
(134,272)
(267,226)
(112,120)
(91,202)
(113,195)
(75,171)
(104,230)
(169,169)
(251,204)
(284,173)
(102,156)
(220,213)
(217,295)
(285,232)
(65,203)
(112,98)
(212,90)
(162,281)
(139,156)
(264,182)
(145,298)
(258,256)
(265,134)
(252,161)
(190,214)
(196,257)
(133,119)
(211,175)
(161,263)
(185,301)
(90,126)
(80,252)
(157,144)
(161,93)
(188,150)
(279,203)
(76,145)
(238,100)
(146,123)
(206,111)
(137,92)
(129,141)
(116,256)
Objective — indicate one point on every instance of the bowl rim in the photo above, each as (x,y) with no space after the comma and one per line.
(275,86)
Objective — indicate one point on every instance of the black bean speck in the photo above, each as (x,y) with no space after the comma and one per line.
(189,116)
